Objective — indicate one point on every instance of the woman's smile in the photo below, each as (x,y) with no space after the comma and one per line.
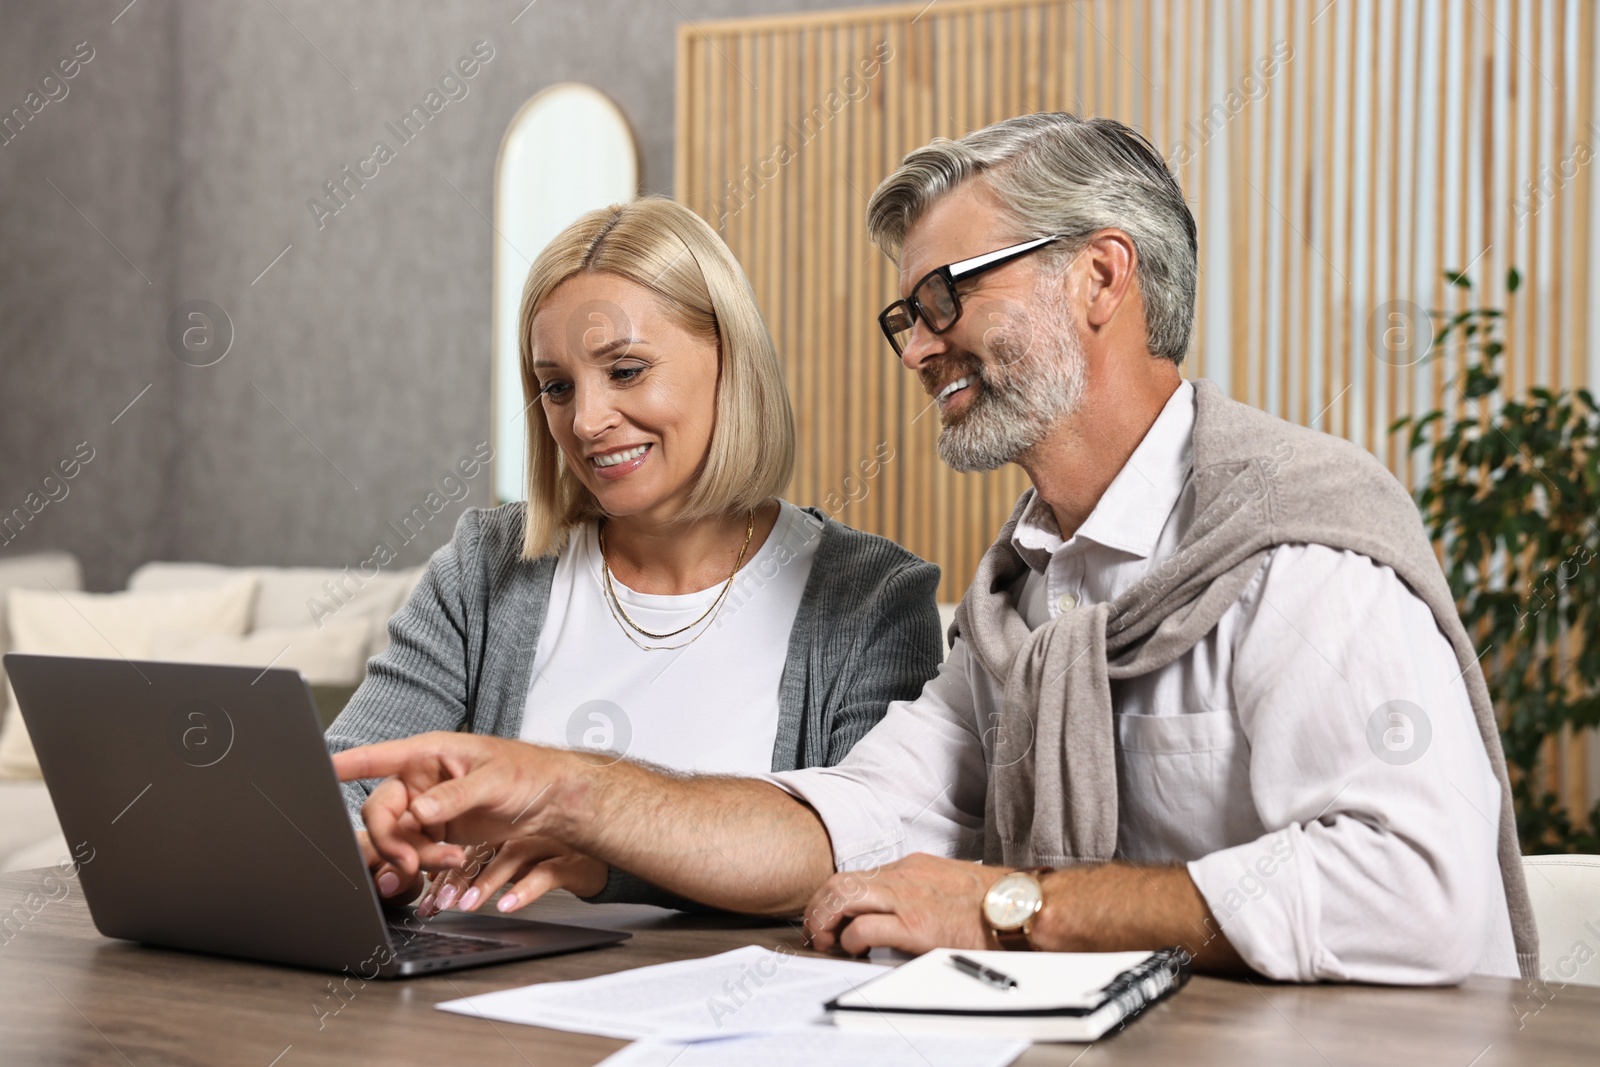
(620,462)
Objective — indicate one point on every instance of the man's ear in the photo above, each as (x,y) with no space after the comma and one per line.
(1107,264)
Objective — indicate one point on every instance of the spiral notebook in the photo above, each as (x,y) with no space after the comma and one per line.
(1059,996)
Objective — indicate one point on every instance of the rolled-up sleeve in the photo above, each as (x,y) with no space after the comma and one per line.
(914,783)
(1368,772)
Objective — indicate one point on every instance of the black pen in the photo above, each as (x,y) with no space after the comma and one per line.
(987,975)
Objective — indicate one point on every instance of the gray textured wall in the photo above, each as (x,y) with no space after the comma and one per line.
(83,296)
(359,371)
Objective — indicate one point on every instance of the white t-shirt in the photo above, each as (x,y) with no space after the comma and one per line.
(710,707)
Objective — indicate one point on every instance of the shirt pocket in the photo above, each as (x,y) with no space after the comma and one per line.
(1183,786)
(1175,735)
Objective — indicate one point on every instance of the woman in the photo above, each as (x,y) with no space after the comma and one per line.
(654,598)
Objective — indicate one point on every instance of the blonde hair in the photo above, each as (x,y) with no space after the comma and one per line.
(666,248)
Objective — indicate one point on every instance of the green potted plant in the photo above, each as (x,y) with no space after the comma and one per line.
(1513,503)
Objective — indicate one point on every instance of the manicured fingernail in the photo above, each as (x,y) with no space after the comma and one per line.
(469,898)
(447,896)
(507,902)
(388,883)
(425,904)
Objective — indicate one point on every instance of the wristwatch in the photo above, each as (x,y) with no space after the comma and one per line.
(1012,904)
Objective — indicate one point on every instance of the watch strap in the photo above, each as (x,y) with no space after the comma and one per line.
(1015,940)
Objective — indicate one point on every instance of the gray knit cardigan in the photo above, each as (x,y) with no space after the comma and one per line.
(461,651)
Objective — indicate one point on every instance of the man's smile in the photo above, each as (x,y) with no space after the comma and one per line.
(946,394)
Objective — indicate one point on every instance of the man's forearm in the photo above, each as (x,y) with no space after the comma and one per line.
(733,843)
(1121,906)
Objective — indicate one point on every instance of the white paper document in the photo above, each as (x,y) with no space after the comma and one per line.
(748,990)
(821,1046)
(1046,981)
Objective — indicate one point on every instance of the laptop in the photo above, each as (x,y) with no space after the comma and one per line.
(201,808)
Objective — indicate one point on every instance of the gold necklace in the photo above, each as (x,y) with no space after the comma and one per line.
(620,613)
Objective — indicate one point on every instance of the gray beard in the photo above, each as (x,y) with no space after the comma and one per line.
(1021,396)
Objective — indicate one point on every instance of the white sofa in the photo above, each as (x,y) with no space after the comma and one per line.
(287,601)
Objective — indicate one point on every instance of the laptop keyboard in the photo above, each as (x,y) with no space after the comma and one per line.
(410,945)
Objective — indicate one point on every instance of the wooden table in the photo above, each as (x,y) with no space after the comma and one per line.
(70,996)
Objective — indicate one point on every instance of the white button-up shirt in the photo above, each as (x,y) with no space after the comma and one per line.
(1315,761)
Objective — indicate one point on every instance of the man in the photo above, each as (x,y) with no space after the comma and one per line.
(1209,688)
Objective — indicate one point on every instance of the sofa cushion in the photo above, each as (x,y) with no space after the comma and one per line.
(37,570)
(334,655)
(108,625)
(297,596)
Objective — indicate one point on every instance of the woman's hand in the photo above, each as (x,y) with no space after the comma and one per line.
(533,866)
(388,880)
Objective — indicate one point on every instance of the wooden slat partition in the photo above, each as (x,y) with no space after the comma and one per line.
(1338,156)
(1321,217)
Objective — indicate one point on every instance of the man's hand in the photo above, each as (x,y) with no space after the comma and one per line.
(444,790)
(915,904)
(734,843)
(533,866)
(923,902)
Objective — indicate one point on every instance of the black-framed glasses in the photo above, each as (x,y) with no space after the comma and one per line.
(934,299)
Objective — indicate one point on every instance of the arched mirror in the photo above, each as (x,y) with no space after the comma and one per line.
(568,150)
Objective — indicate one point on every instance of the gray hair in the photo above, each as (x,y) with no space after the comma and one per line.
(1056,173)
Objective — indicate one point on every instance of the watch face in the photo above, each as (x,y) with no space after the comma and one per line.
(1012,901)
